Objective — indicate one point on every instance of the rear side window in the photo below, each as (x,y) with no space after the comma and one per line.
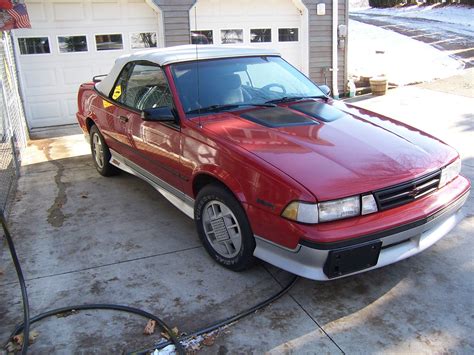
(142,86)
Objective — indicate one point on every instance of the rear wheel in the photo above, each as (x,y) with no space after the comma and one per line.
(101,153)
(223,228)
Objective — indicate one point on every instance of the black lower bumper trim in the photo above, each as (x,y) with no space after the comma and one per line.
(347,260)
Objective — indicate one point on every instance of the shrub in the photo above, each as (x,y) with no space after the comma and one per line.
(385,3)
(392,3)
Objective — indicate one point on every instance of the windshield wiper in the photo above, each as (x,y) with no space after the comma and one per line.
(218,108)
(293,98)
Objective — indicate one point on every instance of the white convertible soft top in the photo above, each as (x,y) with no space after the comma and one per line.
(168,55)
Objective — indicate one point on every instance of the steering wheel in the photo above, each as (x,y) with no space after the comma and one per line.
(267,88)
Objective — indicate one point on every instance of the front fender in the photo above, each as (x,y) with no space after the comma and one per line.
(252,180)
(223,176)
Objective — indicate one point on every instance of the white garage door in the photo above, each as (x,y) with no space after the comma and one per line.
(277,24)
(70,42)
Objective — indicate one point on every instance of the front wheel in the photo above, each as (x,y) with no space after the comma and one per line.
(223,228)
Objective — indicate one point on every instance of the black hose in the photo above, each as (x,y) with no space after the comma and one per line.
(225,321)
(21,280)
(25,326)
(101,306)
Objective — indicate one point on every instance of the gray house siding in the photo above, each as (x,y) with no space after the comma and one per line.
(320,44)
(176,31)
(175,20)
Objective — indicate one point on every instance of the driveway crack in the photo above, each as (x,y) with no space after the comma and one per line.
(103,265)
(305,311)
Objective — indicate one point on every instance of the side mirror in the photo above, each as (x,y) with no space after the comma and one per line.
(160,114)
(325,89)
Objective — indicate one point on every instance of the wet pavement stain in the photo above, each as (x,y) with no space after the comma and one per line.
(97,288)
(56,216)
(278,320)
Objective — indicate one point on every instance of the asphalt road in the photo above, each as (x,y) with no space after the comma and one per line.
(457,40)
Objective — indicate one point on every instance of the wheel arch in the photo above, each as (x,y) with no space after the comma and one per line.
(204,177)
(89,123)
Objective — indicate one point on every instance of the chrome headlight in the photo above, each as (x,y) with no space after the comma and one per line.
(312,213)
(338,209)
(450,172)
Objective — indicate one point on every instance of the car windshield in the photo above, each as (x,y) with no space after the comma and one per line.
(214,85)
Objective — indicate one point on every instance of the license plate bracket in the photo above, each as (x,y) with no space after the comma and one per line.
(347,260)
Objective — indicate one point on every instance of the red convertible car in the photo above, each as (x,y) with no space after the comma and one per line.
(267,164)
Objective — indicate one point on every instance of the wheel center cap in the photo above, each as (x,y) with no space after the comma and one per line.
(220,230)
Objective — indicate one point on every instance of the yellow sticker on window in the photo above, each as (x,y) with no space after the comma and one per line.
(117,92)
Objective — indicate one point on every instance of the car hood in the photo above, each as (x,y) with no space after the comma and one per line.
(345,152)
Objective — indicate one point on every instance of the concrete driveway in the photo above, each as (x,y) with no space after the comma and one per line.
(83,238)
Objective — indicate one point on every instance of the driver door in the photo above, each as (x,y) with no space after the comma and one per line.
(157,145)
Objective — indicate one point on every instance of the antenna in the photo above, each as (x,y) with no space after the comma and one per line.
(197,68)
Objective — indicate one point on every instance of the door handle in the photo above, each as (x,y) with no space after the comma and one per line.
(123,118)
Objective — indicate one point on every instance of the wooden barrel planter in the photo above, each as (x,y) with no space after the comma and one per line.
(379,85)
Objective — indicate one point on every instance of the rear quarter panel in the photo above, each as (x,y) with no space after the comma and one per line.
(84,97)
(92,105)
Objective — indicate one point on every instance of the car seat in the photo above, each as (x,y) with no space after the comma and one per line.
(228,89)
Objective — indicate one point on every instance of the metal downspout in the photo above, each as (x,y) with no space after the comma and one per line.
(335,21)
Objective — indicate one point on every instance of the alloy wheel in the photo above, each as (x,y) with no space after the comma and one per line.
(222,229)
(98,150)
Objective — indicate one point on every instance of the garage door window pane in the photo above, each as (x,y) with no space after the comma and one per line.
(261,35)
(202,37)
(68,44)
(288,34)
(143,40)
(232,36)
(109,42)
(34,45)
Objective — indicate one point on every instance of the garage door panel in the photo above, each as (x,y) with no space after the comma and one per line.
(106,11)
(40,78)
(68,11)
(45,110)
(76,75)
(71,107)
(54,110)
(36,12)
(142,11)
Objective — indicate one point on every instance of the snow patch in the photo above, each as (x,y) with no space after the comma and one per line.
(459,15)
(375,51)
(167,350)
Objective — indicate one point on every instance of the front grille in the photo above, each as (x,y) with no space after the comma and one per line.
(407,192)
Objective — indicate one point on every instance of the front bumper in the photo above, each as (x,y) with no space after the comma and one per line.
(397,244)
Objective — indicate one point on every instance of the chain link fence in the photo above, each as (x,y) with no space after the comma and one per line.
(12,123)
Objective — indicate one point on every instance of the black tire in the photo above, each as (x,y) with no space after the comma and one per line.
(240,257)
(98,144)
